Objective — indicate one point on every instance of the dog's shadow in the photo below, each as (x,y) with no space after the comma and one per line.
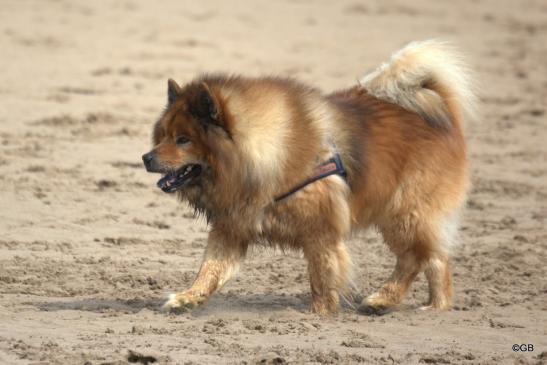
(101,305)
(218,303)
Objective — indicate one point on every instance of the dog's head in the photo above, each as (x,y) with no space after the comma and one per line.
(185,137)
(227,143)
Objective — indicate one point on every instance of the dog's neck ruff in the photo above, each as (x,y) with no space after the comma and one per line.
(333,166)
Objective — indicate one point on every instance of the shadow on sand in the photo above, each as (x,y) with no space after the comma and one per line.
(220,302)
(100,305)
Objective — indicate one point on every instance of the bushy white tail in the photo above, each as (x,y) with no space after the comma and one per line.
(428,78)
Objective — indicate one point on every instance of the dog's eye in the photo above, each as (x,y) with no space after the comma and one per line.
(181,140)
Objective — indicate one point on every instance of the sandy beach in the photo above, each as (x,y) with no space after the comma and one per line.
(89,247)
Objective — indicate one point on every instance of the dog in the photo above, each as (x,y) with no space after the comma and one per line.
(273,161)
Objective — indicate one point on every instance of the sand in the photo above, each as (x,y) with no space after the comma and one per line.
(89,247)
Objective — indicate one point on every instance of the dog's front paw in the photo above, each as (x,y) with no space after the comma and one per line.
(181,302)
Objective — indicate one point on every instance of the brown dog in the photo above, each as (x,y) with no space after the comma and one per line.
(273,161)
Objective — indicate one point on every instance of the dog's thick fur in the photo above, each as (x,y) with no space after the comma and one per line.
(399,133)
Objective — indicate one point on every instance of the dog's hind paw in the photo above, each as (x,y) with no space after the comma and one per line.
(370,310)
(436,306)
(376,305)
(182,302)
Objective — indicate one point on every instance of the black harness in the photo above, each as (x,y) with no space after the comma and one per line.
(333,166)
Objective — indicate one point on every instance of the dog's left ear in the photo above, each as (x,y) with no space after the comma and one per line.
(206,108)
(173,91)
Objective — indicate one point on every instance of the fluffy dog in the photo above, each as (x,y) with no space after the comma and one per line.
(277,162)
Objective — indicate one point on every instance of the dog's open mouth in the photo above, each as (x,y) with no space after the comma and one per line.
(175,180)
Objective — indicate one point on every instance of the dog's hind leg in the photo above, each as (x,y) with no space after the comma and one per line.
(412,242)
(328,268)
(437,268)
(220,262)
(395,288)
(420,245)
(439,278)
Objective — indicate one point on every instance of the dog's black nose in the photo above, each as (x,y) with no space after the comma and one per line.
(147,158)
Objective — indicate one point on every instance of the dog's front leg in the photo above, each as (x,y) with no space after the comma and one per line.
(328,265)
(220,262)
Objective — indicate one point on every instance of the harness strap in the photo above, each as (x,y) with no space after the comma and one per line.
(333,166)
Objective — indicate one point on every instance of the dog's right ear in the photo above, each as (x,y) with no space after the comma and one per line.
(173,91)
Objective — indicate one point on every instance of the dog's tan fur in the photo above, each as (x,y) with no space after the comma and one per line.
(399,134)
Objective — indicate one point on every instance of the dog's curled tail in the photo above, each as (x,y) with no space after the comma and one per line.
(428,78)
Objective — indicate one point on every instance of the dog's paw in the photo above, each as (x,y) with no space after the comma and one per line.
(376,305)
(436,306)
(324,310)
(182,302)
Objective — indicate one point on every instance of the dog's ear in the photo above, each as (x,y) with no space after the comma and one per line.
(206,108)
(173,91)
